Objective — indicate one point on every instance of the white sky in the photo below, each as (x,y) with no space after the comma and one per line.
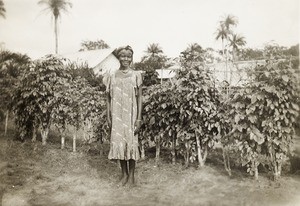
(174,24)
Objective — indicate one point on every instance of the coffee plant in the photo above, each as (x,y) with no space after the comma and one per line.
(49,94)
(38,94)
(263,115)
(183,115)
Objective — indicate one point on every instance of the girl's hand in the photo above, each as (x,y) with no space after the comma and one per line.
(109,122)
(137,124)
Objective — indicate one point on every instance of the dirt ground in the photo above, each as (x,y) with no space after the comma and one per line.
(32,174)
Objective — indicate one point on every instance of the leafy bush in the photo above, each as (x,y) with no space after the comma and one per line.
(263,115)
(183,115)
(49,93)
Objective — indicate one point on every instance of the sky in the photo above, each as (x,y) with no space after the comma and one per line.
(173,24)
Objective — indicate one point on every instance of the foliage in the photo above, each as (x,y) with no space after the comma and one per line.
(2,9)
(38,94)
(197,101)
(51,92)
(93,45)
(154,49)
(185,113)
(81,106)
(235,42)
(192,56)
(159,112)
(152,61)
(150,76)
(263,116)
(84,71)
(293,51)
(273,51)
(12,65)
(250,54)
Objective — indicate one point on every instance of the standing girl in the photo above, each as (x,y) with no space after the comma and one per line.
(124,110)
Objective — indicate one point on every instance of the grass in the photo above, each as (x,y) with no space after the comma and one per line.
(32,174)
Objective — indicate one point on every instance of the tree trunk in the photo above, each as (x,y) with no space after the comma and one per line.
(143,156)
(225,57)
(44,133)
(173,152)
(157,152)
(34,131)
(187,154)
(56,34)
(200,159)
(277,170)
(205,153)
(6,122)
(255,167)
(74,141)
(62,141)
(161,78)
(226,160)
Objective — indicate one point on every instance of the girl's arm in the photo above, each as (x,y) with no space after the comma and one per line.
(108,109)
(139,102)
(138,122)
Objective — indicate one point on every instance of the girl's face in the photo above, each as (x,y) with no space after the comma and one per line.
(125,58)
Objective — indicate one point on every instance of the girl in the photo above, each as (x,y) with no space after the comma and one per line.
(124,110)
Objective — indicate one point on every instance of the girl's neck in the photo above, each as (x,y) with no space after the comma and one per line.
(124,68)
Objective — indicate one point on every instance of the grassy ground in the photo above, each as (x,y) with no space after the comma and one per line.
(31,174)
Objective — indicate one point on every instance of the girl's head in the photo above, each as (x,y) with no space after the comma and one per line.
(124,55)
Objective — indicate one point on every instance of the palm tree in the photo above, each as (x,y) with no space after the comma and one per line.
(56,7)
(224,31)
(236,41)
(2,9)
(154,50)
(223,34)
(192,55)
(229,21)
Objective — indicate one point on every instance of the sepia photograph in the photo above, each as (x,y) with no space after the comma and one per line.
(149,103)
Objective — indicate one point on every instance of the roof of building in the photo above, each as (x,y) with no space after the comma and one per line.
(101,60)
(166,73)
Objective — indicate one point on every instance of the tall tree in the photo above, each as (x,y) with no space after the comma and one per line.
(192,55)
(56,7)
(229,21)
(152,61)
(154,49)
(235,42)
(2,9)
(222,34)
(225,28)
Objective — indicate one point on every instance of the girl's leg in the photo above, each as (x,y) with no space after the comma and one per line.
(131,171)
(124,176)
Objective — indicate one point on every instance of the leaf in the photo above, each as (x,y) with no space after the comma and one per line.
(237,118)
(152,120)
(295,106)
(252,119)
(285,78)
(253,99)
(257,135)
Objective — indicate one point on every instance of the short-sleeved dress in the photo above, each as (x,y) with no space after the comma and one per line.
(123,87)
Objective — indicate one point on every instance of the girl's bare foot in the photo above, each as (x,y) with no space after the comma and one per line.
(131,181)
(124,180)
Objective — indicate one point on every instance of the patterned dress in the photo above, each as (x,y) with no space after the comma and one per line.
(123,87)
